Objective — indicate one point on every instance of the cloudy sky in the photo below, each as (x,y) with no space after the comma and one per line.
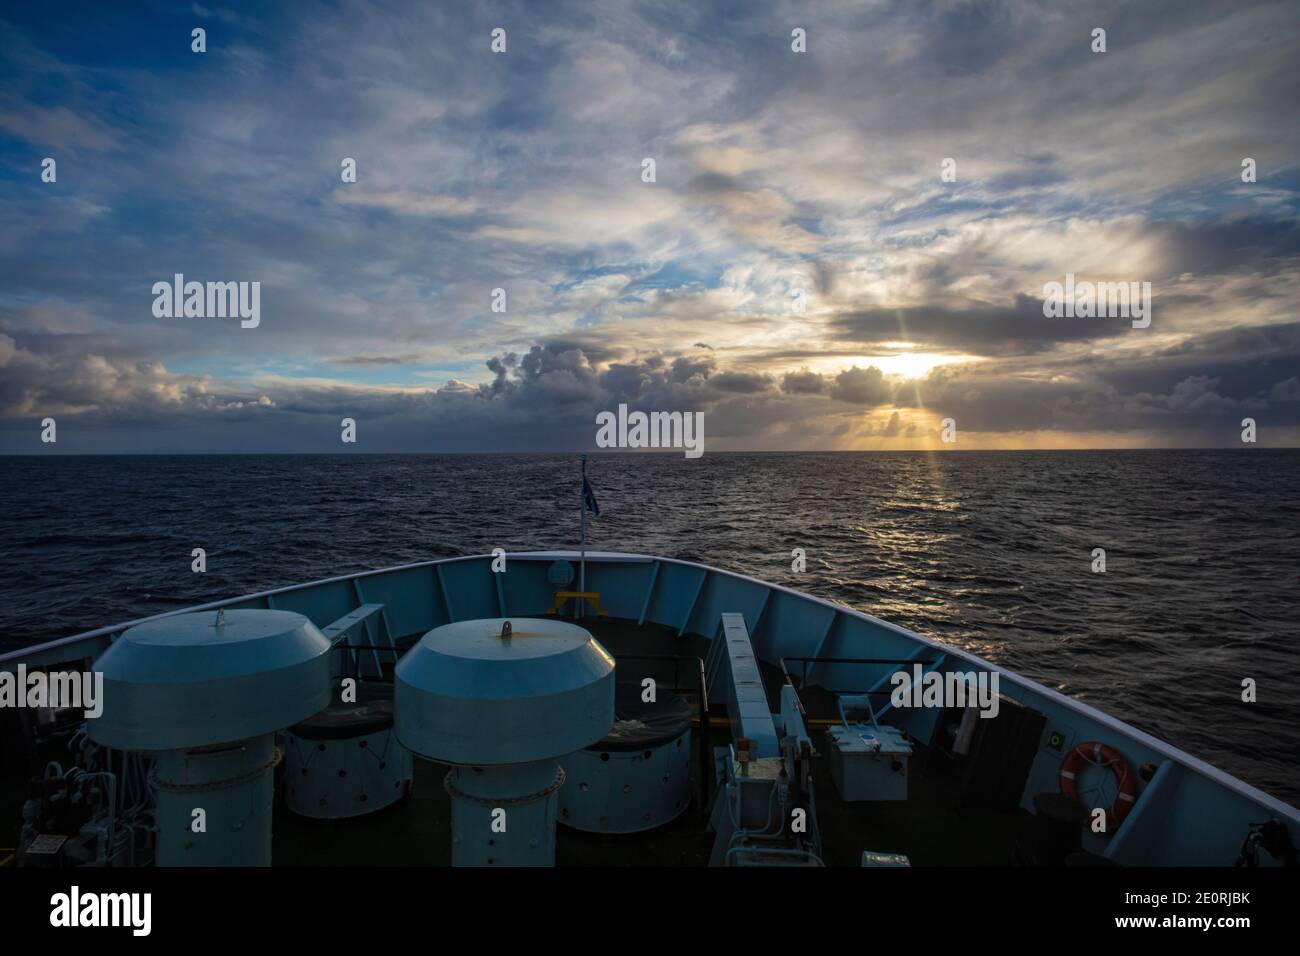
(783,181)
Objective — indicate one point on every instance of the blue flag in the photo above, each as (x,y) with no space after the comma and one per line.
(589,497)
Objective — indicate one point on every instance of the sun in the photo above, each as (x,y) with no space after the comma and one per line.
(912,364)
(896,359)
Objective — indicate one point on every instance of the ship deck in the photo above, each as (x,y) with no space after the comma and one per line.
(932,827)
(976,809)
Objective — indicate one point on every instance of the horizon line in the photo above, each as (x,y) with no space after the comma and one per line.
(607,453)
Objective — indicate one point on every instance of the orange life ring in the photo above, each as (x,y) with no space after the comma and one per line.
(1100,755)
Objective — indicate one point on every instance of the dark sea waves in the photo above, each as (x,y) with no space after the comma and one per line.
(987,551)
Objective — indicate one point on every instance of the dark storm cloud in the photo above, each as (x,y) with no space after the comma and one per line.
(596,352)
(1184,390)
(1016,329)
(861,386)
(550,392)
(1249,367)
(625,382)
(744,383)
(685,369)
(802,382)
(1238,246)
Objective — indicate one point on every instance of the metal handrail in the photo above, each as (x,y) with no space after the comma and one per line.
(805,661)
(803,675)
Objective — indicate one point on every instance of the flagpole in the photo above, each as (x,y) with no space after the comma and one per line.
(582,508)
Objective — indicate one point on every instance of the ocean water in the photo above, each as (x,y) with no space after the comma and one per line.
(990,552)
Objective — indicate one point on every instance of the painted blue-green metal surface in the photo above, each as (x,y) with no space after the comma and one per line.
(206,692)
(868,762)
(502,699)
(627,791)
(467,695)
(336,779)
(194,680)
(736,666)
(213,807)
(504,815)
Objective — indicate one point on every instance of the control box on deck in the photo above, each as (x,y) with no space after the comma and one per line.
(869,763)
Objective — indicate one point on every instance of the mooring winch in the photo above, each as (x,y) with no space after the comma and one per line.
(345,761)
